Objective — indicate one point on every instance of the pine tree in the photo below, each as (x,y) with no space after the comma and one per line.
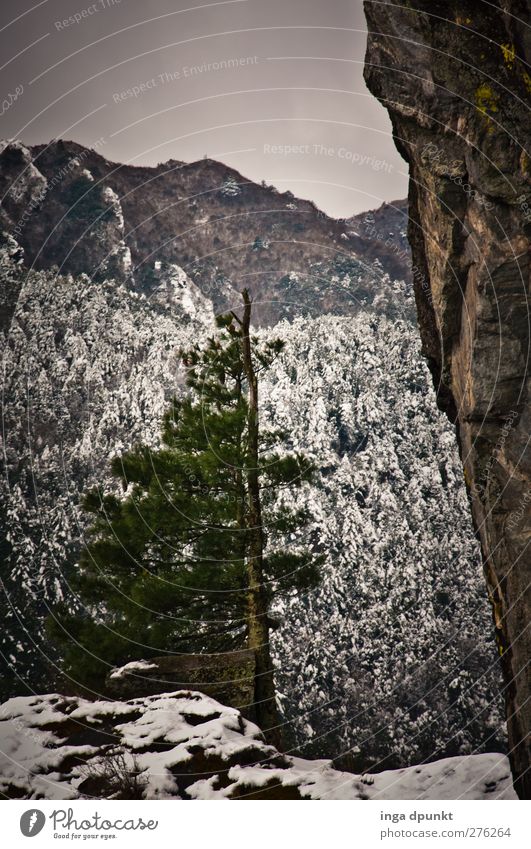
(182,562)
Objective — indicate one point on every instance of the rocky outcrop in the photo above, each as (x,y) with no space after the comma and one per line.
(67,205)
(184,745)
(103,363)
(455,79)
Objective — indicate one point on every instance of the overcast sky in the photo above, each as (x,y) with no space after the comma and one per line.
(273,88)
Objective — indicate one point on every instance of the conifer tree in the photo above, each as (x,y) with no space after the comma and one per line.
(186,560)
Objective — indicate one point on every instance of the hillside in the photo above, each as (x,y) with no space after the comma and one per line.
(458,104)
(383,665)
(184,745)
(88,369)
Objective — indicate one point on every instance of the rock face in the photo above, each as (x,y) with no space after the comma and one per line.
(454,78)
(184,745)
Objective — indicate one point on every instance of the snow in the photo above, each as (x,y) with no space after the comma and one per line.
(467,777)
(133,666)
(30,185)
(230,188)
(393,652)
(470,777)
(111,198)
(102,363)
(177,292)
(371,656)
(162,735)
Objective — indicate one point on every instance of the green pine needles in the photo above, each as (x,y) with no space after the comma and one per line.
(188,559)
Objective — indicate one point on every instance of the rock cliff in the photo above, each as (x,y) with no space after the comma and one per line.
(455,79)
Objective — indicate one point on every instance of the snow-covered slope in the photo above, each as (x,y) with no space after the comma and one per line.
(391,657)
(69,206)
(188,746)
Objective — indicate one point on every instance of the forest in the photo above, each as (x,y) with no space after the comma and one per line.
(264,325)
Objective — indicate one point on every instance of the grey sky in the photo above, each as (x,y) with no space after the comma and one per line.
(295,111)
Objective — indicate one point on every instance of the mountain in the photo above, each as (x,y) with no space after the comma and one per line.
(386,642)
(394,649)
(68,206)
(380,235)
(184,745)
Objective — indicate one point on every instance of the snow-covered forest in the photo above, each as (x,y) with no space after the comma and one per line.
(390,661)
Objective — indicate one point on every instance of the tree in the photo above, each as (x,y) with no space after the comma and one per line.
(186,560)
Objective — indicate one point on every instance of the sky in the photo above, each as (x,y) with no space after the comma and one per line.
(273,88)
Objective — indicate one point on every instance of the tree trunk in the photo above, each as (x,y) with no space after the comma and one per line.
(257,607)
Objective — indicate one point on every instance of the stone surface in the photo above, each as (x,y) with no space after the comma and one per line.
(229,678)
(454,78)
(184,745)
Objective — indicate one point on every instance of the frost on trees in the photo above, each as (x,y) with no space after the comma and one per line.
(392,659)
(230,188)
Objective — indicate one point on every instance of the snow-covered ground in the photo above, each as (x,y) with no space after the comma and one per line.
(187,745)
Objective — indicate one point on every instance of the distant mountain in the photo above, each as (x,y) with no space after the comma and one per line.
(385,660)
(68,206)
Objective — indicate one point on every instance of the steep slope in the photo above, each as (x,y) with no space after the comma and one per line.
(391,660)
(68,206)
(89,363)
(184,745)
(455,79)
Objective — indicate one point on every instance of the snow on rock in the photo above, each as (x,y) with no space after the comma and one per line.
(486,776)
(186,745)
(394,649)
(111,198)
(134,666)
(30,186)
